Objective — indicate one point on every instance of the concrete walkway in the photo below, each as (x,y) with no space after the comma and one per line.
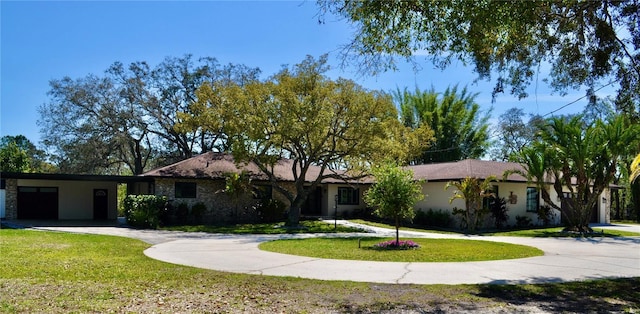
(565,259)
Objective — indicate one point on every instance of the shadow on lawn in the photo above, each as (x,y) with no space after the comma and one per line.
(608,295)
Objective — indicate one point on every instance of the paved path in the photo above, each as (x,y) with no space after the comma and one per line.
(565,259)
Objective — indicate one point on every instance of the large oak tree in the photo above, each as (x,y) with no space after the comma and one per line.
(580,42)
(123,120)
(302,115)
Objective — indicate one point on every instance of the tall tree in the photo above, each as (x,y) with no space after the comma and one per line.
(19,154)
(92,129)
(14,159)
(513,134)
(581,161)
(124,120)
(302,115)
(460,129)
(583,41)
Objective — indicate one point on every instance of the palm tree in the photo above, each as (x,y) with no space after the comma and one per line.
(635,169)
(580,160)
(473,191)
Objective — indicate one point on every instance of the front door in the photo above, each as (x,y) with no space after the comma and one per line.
(313,205)
(100,204)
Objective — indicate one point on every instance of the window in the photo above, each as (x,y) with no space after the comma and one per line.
(262,192)
(532,199)
(348,196)
(185,190)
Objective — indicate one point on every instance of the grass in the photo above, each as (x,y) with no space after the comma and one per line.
(306,226)
(530,232)
(431,250)
(51,272)
(388,226)
(557,233)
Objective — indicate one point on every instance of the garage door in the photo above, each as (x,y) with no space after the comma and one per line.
(37,202)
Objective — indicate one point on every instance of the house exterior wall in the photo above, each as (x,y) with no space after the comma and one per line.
(329,202)
(75,198)
(437,198)
(220,206)
(11,199)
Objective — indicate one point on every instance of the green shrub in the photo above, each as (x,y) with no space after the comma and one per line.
(545,215)
(498,210)
(523,221)
(197,212)
(270,210)
(181,213)
(433,218)
(144,211)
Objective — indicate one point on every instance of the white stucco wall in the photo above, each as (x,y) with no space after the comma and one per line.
(437,198)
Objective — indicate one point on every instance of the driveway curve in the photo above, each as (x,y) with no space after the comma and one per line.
(564,259)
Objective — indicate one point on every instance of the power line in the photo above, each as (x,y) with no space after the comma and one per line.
(579,99)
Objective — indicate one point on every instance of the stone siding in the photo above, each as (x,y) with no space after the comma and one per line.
(11,199)
(220,207)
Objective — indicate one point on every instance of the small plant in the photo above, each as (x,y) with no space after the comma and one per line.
(396,245)
(182,212)
(523,221)
(197,212)
(545,215)
(270,210)
(498,209)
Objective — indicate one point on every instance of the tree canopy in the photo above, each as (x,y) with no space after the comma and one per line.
(123,121)
(460,129)
(580,42)
(19,154)
(513,134)
(302,115)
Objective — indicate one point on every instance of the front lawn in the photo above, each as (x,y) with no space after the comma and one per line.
(54,272)
(531,232)
(431,250)
(306,226)
(556,232)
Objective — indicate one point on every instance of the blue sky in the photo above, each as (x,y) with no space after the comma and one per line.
(41,41)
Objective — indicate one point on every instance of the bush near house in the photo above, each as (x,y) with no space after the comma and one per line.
(270,210)
(498,210)
(433,218)
(145,211)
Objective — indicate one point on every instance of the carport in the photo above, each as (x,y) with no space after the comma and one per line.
(62,196)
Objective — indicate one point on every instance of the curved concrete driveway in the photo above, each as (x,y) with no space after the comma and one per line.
(565,259)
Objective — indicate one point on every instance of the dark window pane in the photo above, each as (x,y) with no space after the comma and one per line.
(185,190)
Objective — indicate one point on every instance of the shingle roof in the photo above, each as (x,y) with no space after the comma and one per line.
(474,168)
(213,165)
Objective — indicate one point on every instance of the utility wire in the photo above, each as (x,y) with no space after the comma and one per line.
(579,99)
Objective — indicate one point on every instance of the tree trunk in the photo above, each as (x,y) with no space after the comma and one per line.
(293,219)
(397,231)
